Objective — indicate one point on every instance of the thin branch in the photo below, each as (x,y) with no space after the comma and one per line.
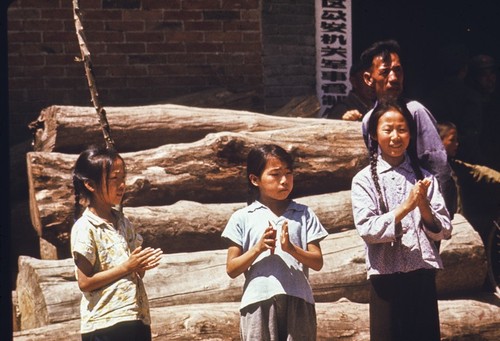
(82,42)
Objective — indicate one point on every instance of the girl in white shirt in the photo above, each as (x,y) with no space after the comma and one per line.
(274,241)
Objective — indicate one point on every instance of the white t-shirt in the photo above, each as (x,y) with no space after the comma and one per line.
(279,273)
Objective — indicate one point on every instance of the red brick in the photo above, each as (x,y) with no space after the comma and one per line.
(126,26)
(167,25)
(63,83)
(247,47)
(242,4)
(241,26)
(201,4)
(57,13)
(40,3)
(182,15)
(142,15)
(105,37)
(251,15)
(184,36)
(43,25)
(21,14)
(186,58)
(132,37)
(161,4)
(251,37)
(165,48)
(203,26)
(32,60)
(121,70)
(83,4)
(58,37)
(58,59)
(126,48)
(110,59)
(99,14)
(146,59)
(204,47)
(223,36)
(24,37)
(25,83)
(221,15)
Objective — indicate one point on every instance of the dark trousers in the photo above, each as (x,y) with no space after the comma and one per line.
(403,307)
(129,331)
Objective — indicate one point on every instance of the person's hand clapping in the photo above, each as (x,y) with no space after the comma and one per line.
(268,240)
(286,245)
(423,186)
(143,259)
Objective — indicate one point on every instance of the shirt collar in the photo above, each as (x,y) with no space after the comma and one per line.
(98,221)
(383,166)
(256,205)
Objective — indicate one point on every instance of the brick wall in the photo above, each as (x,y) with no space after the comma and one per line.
(288,39)
(146,51)
(142,51)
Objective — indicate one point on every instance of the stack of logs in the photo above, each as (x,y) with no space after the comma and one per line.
(185,177)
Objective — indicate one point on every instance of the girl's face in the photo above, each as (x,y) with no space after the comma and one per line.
(393,136)
(450,142)
(114,186)
(276,181)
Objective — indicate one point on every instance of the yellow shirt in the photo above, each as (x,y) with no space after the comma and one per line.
(106,247)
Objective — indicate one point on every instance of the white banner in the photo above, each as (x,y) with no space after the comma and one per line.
(333,51)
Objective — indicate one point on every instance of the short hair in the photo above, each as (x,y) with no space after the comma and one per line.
(382,48)
(445,127)
(256,163)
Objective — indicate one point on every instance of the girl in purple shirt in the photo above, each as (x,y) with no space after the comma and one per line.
(400,214)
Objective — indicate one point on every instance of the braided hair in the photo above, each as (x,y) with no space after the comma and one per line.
(93,165)
(381,108)
(256,163)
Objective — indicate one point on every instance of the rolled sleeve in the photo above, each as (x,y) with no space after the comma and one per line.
(440,213)
(371,226)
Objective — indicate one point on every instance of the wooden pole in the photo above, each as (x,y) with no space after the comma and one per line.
(101,112)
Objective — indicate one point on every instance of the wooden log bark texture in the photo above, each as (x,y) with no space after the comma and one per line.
(188,226)
(47,291)
(145,127)
(209,170)
(471,318)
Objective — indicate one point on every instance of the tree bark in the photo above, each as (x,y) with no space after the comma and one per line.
(208,171)
(188,226)
(304,106)
(472,318)
(145,127)
(48,293)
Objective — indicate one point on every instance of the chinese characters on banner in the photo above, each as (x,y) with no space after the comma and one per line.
(333,51)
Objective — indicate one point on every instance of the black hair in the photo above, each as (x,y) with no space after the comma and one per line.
(382,48)
(93,165)
(256,163)
(444,128)
(381,108)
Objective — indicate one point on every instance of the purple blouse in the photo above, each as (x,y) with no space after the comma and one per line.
(413,247)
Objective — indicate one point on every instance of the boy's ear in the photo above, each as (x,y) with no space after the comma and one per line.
(89,185)
(254,180)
